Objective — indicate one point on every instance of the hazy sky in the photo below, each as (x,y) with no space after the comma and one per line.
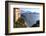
(37,10)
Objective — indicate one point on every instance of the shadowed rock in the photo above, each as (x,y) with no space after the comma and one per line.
(37,24)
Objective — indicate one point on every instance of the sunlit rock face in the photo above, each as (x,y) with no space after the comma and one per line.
(30,18)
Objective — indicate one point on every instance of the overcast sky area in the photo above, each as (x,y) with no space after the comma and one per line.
(37,10)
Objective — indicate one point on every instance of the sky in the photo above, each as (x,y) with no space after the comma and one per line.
(37,10)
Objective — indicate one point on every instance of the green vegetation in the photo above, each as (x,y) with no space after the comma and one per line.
(19,23)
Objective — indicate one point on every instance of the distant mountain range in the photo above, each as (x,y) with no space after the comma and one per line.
(29,12)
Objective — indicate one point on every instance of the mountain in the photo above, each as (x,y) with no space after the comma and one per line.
(30,17)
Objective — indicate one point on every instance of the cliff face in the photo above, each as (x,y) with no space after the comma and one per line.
(30,18)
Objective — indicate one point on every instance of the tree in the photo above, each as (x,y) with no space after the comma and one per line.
(20,23)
